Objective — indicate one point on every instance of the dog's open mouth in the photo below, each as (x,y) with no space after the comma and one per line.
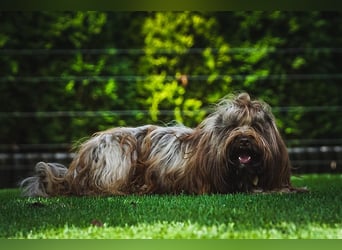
(245,158)
(244,154)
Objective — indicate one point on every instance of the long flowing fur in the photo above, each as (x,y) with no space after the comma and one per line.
(235,149)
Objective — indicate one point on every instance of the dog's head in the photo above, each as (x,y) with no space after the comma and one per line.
(256,154)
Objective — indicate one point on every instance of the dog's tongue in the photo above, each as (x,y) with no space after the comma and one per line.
(244,159)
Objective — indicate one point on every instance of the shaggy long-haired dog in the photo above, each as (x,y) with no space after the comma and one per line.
(235,149)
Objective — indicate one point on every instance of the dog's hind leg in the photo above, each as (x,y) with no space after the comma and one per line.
(48,180)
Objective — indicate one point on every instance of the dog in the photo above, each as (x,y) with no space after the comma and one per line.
(236,149)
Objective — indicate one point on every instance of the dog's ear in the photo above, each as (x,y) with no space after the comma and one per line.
(277,166)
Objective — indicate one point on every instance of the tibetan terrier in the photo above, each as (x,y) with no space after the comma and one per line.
(235,149)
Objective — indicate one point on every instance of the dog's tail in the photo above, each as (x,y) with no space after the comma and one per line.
(47,181)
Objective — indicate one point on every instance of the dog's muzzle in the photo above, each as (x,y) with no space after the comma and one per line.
(245,154)
(246,158)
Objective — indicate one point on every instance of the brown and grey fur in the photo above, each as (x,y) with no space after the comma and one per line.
(153,159)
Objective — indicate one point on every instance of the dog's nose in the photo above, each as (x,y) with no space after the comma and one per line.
(244,142)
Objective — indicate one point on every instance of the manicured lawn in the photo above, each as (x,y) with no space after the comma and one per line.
(312,215)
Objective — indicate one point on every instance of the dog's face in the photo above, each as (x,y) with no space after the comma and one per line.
(246,155)
(255,151)
(244,152)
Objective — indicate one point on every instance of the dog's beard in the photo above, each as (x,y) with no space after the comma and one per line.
(245,159)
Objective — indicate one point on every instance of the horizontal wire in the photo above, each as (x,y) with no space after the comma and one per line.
(80,113)
(143,51)
(18,161)
(133,78)
(107,113)
(325,146)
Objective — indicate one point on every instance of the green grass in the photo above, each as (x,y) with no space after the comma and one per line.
(312,215)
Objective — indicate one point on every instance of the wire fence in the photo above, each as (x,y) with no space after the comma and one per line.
(17,161)
(104,113)
(136,78)
(143,51)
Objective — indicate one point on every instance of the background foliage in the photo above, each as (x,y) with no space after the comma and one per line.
(65,75)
